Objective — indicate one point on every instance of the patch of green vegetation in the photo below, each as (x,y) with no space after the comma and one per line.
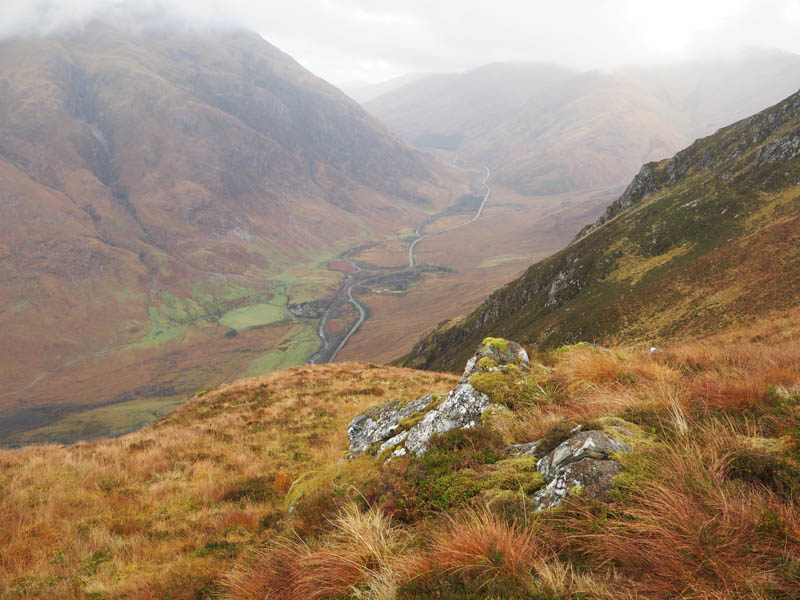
(112,420)
(773,471)
(511,387)
(253,489)
(219,549)
(500,259)
(486,363)
(254,315)
(158,335)
(295,349)
(410,421)
(514,474)
(625,431)
(499,344)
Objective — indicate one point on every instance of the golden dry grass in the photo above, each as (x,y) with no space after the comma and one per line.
(688,518)
(195,506)
(162,512)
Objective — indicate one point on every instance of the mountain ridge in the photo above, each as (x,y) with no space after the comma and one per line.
(562,130)
(670,256)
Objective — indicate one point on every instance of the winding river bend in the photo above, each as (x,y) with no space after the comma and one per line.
(352,282)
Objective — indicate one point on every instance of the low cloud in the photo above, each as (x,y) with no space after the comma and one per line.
(370,40)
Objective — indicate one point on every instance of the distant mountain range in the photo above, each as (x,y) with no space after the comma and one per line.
(544,129)
(152,183)
(364,92)
(696,243)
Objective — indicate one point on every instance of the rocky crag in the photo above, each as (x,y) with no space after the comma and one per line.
(688,248)
(583,463)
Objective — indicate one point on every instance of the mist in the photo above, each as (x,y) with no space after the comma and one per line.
(370,41)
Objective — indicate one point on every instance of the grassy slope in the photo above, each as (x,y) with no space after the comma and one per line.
(712,237)
(707,507)
(165,510)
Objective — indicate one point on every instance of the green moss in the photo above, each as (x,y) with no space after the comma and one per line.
(566,349)
(576,492)
(486,363)
(511,387)
(411,420)
(513,474)
(499,344)
(627,432)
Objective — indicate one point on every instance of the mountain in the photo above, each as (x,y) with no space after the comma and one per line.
(364,92)
(697,242)
(545,130)
(163,196)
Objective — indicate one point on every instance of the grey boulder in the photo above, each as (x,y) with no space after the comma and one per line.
(584,461)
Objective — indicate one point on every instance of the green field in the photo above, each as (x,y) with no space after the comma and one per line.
(295,349)
(252,316)
(158,335)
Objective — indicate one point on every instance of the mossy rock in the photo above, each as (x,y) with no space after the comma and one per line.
(625,431)
(511,387)
(499,344)
(486,363)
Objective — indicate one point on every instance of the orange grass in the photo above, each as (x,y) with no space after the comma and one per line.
(163,512)
(168,511)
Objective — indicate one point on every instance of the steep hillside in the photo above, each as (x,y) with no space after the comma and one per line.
(695,243)
(545,130)
(163,197)
(243,493)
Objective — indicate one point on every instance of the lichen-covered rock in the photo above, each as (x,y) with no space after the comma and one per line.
(462,409)
(590,476)
(584,461)
(495,353)
(528,449)
(584,444)
(382,422)
(402,428)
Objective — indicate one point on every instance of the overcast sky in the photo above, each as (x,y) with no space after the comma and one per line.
(373,40)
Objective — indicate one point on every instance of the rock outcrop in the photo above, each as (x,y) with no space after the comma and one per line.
(585,461)
(395,429)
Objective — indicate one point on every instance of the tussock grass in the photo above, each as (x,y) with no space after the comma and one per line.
(163,512)
(708,506)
